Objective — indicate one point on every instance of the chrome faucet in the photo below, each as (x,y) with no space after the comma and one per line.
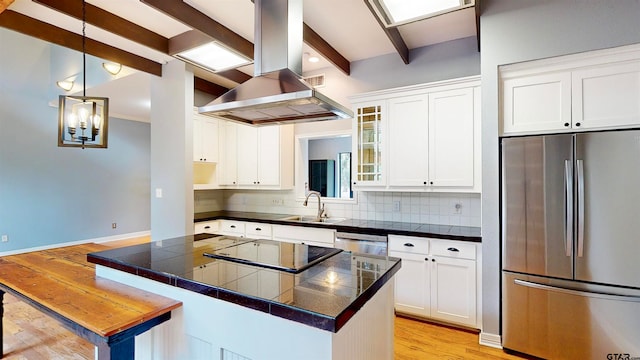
(320,209)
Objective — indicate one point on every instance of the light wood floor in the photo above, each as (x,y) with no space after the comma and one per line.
(31,335)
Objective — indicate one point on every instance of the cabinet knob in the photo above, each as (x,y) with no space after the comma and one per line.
(258,229)
(577,124)
(453,249)
(232,226)
(207,227)
(566,124)
(354,183)
(258,182)
(425,183)
(409,245)
(204,159)
(434,260)
(426,259)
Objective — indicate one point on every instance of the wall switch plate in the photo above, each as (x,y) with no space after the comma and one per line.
(114,225)
(5,238)
(158,193)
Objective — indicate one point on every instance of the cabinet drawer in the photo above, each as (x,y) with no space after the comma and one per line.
(232,227)
(206,227)
(299,234)
(408,244)
(258,230)
(453,249)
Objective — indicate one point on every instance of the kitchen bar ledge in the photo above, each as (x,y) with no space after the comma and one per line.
(318,313)
(106,313)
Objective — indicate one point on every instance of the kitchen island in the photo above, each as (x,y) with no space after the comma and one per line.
(315,304)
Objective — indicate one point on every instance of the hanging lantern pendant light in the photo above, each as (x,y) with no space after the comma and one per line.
(83,120)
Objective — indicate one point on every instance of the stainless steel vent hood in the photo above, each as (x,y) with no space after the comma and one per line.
(277,94)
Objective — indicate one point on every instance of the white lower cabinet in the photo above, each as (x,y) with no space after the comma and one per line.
(437,279)
(206,227)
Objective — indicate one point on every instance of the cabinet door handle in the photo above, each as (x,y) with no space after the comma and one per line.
(409,245)
(207,227)
(453,249)
(232,226)
(258,229)
(426,259)
(566,124)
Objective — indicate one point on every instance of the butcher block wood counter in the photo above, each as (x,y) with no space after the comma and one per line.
(61,283)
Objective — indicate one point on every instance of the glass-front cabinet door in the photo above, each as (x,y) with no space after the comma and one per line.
(368,128)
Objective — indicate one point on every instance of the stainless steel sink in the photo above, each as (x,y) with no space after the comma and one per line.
(312,219)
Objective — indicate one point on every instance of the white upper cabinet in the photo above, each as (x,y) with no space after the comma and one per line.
(428,138)
(205,138)
(228,173)
(409,141)
(537,103)
(257,157)
(607,96)
(596,90)
(451,138)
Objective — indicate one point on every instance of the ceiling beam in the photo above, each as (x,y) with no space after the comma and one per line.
(110,22)
(47,32)
(131,31)
(208,87)
(320,45)
(478,8)
(392,33)
(193,18)
(4,4)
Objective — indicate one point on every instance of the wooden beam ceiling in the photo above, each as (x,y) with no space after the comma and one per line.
(4,4)
(392,33)
(208,87)
(128,30)
(47,32)
(110,22)
(318,44)
(193,18)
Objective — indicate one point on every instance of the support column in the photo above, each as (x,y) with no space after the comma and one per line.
(172,152)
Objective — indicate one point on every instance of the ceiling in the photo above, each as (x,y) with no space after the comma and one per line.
(348,27)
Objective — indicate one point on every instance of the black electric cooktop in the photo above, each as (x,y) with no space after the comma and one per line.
(289,257)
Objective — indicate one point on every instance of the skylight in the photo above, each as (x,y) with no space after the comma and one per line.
(213,56)
(400,12)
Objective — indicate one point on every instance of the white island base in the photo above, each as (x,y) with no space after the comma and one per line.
(212,329)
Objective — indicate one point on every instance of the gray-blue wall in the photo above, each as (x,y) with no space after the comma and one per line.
(515,31)
(51,195)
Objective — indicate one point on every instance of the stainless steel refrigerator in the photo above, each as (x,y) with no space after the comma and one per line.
(570,225)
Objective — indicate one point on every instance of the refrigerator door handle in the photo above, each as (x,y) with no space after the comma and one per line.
(568,213)
(591,294)
(580,170)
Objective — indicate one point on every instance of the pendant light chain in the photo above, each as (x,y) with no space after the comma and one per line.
(84,53)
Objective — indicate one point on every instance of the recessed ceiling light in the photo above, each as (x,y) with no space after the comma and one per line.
(213,56)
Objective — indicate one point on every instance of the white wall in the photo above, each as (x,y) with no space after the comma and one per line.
(515,31)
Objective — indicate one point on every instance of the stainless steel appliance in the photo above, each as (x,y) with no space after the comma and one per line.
(570,245)
(362,243)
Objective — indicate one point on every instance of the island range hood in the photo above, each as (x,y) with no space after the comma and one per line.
(277,94)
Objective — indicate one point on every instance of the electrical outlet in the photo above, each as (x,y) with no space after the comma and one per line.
(396,206)
(277,202)
(5,238)
(114,225)
(457,208)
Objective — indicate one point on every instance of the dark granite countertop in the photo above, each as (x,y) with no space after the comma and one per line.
(462,233)
(324,296)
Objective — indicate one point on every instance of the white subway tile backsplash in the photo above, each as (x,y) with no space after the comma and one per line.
(430,208)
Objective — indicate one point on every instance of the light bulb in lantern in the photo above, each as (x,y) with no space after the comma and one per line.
(97,121)
(83,114)
(72,121)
